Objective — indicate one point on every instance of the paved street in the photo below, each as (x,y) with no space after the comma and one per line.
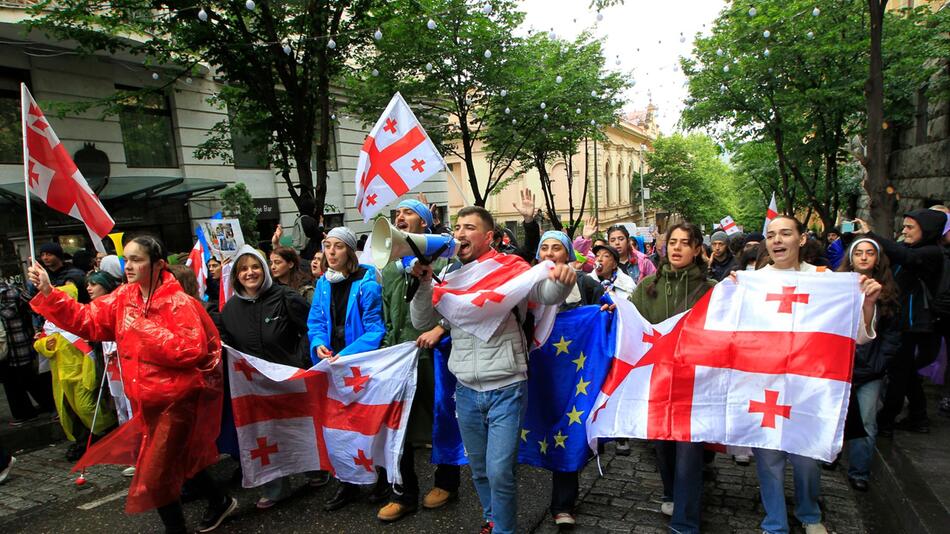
(40,497)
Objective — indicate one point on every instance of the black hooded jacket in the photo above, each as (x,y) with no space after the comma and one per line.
(917,269)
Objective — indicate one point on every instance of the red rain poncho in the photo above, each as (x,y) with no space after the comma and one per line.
(171,363)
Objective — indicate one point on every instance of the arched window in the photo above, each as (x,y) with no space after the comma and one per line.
(608,184)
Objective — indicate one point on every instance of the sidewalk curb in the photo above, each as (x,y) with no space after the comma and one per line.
(904,492)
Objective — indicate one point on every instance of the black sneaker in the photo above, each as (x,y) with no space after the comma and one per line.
(345,494)
(215,515)
(921,426)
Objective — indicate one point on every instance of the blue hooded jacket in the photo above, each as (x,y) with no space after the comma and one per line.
(364,316)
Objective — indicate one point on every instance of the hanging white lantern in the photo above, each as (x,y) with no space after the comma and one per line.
(429,67)
(507,111)
(333,117)
(719,52)
(766,34)
(600,17)
(578,111)
(504,93)
(558,79)
(514,121)
(375,72)
(287,49)
(593,122)
(563,127)
(331,44)
(810,35)
(250,5)
(487,54)
(203,15)
(725,68)
(486,9)
(551,35)
(378,35)
(154,75)
(593,94)
(682,38)
(752,12)
(543,105)
(815,12)
(766,52)
(430,24)
(188,80)
(545,116)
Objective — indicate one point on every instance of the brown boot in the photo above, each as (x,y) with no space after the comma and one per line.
(395,511)
(437,498)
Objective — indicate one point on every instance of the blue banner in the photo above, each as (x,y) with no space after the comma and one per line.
(564,378)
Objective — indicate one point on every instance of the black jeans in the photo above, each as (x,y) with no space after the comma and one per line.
(172,515)
(446,477)
(917,350)
(564,489)
(19,383)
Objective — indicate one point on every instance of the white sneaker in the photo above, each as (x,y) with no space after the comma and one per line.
(129,471)
(623,448)
(6,470)
(815,528)
(742,459)
(667,508)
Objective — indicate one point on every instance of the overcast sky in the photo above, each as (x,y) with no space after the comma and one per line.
(652,26)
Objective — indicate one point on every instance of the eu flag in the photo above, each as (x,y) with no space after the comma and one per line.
(564,378)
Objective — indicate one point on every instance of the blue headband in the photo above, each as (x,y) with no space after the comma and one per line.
(420,209)
(560,236)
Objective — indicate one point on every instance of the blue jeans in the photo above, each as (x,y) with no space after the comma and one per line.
(770,466)
(861,450)
(490,423)
(681,468)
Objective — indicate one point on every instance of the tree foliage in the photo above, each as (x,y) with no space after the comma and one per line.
(237,202)
(447,74)
(795,79)
(688,177)
(276,60)
(561,94)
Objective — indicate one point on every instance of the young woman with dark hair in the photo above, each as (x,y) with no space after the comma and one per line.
(871,359)
(681,280)
(784,241)
(171,355)
(285,270)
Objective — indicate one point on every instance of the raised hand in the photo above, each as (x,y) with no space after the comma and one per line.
(591,226)
(527,209)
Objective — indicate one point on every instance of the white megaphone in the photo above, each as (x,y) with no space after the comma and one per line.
(390,243)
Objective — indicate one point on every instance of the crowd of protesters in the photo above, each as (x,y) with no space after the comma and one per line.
(311,298)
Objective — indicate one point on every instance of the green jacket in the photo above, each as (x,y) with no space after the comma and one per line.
(676,292)
(395,308)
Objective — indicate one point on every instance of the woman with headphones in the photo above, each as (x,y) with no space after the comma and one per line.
(171,362)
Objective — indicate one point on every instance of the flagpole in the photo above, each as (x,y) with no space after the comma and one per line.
(26,172)
(456,182)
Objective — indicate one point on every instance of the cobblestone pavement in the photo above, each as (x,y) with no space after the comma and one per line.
(41,492)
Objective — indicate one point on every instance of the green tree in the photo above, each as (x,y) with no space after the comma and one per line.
(562,94)
(237,202)
(277,59)
(448,74)
(688,176)
(794,77)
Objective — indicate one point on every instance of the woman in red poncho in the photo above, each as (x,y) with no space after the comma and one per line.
(171,362)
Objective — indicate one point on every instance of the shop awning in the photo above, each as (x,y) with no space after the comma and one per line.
(126,188)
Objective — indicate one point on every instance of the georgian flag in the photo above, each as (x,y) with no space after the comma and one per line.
(729,226)
(396,156)
(481,294)
(198,261)
(765,363)
(113,363)
(52,175)
(770,214)
(346,417)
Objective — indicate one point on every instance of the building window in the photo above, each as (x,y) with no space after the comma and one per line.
(247,155)
(148,136)
(11,136)
(331,149)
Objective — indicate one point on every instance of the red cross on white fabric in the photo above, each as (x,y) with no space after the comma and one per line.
(325,412)
(787,297)
(371,200)
(417,164)
(390,126)
(770,408)
(357,381)
(381,161)
(263,451)
(361,459)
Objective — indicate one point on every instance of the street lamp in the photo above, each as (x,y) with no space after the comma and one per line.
(643,211)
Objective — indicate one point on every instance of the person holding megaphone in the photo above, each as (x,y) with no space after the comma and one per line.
(413,217)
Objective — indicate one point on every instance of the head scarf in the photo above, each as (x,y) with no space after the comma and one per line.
(345,235)
(420,209)
(560,236)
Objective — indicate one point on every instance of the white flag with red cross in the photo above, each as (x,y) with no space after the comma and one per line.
(347,417)
(483,293)
(729,226)
(396,156)
(765,363)
(770,214)
(52,175)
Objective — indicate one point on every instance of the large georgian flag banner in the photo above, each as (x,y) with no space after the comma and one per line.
(763,363)
(481,294)
(53,176)
(396,156)
(346,417)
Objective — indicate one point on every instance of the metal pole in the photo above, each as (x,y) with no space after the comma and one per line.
(643,211)
(24,106)
(596,184)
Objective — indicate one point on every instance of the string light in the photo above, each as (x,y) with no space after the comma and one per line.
(815,12)
(752,12)
(810,35)
(331,44)
(429,67)
(766,52)
(543,105)
(507,111)
(203,15)
(430,24)
(725,68)
(719,52)
(558,79)
(514,121)
(250,5)
(504,93)
(600,16)
(378,35)
(487,54)
(545,116)
(578,111)
(766,34)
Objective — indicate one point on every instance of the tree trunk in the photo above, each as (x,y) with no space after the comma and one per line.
(467,143)
(879,200)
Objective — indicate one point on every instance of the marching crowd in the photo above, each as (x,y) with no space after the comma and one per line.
(318,301)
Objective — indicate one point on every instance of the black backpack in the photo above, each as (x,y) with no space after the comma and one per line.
(940,300)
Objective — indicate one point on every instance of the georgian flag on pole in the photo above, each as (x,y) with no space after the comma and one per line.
(483,293)
(51,174)
(770,214)
(198,261)
(728,225)
(765,363)
(347,417)
(396,156)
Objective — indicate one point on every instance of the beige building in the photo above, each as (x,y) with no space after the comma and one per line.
(614,167)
